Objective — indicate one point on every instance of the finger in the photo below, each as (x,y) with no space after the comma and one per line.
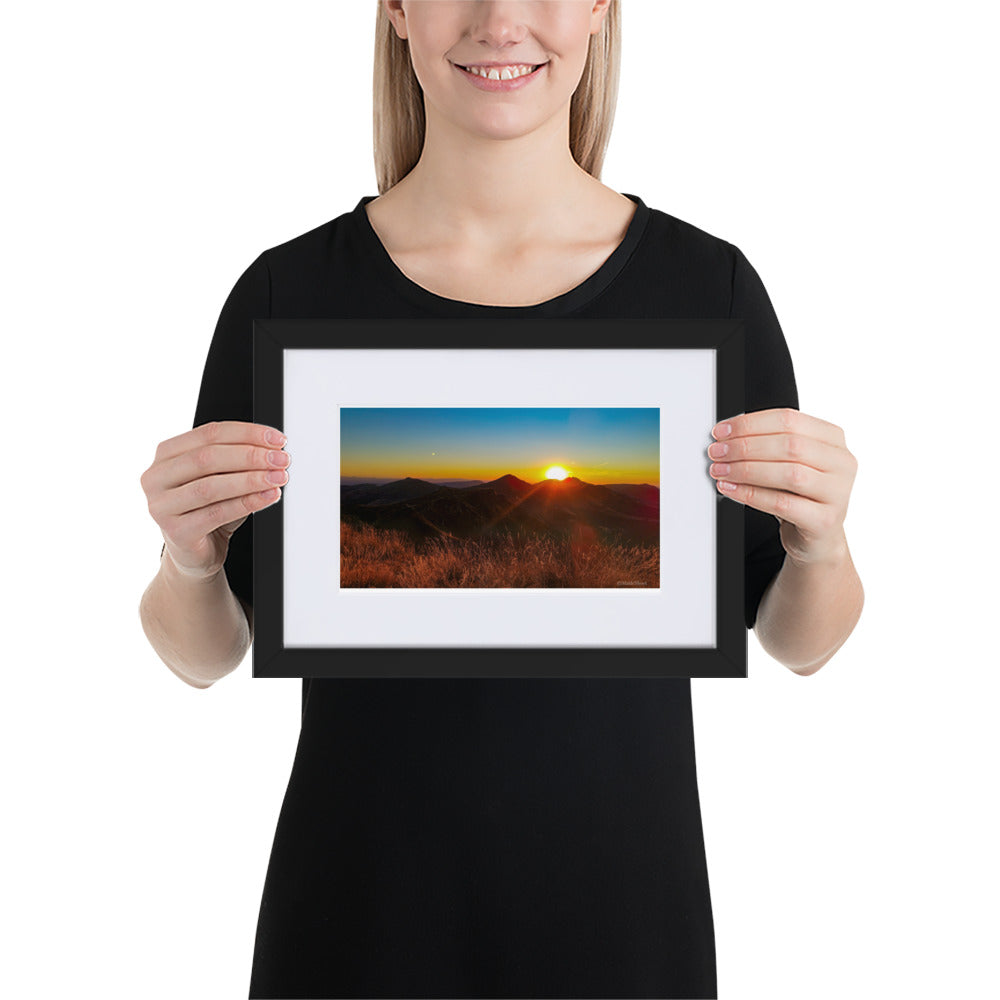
(784,420)
(214,459)
(219,432)
(788,476)
(187,530)
(214,489)
(805,514)
(819,455)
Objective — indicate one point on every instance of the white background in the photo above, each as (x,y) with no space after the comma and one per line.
(151,152)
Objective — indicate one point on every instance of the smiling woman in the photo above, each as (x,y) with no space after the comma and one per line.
(467,836)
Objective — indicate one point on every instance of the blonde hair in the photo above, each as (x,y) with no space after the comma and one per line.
(398,112)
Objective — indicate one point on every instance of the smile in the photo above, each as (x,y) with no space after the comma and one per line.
(500,72)
(500,78)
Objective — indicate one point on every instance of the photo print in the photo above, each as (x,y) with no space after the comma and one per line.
(495,497)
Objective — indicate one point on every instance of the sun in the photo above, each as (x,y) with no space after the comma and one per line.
(556,472)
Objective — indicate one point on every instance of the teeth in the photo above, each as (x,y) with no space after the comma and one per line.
(499,72)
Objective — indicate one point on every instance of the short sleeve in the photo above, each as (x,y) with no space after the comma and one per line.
(770,383)
(227,392)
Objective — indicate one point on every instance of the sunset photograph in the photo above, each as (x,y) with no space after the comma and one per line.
(499,497)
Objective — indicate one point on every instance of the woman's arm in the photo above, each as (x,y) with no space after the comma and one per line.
(798,468)
(809,610)
(198,627)
(201,487)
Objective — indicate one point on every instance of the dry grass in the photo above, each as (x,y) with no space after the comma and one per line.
(371,557)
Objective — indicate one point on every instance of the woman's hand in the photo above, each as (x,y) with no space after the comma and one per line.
(203,485)
(791,465)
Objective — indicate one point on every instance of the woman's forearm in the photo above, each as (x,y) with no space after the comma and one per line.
(197,627)
(809,610)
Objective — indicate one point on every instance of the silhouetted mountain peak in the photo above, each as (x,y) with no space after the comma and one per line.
(508,480)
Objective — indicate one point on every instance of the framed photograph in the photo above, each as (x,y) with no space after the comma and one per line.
(524,497)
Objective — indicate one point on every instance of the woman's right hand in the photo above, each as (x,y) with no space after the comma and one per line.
(203,485)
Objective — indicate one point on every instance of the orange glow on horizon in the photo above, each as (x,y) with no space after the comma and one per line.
(470,472)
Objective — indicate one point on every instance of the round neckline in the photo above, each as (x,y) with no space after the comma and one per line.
(562,304)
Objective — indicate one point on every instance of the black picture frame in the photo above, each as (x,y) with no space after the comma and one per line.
(273,339)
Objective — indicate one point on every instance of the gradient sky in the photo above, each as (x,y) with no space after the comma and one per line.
(615,445)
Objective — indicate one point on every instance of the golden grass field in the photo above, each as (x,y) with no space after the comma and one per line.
(371,557)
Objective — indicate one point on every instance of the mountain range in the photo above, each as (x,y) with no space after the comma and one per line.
(627,512)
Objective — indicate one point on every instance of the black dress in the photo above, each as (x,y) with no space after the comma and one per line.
(492,837)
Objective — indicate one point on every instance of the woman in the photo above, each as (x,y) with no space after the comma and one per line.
(495,837)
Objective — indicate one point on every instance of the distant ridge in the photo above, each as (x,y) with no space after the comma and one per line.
(382,480)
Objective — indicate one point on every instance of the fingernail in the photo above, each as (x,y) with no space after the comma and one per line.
(722,430)
(276,438)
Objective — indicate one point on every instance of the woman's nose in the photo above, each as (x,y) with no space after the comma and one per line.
(498,23)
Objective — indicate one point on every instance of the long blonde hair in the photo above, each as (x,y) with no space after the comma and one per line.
(398,111)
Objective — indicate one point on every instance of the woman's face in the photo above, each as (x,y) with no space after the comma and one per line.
(446,35)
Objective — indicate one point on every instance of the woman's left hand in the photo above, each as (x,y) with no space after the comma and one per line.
(794,466)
